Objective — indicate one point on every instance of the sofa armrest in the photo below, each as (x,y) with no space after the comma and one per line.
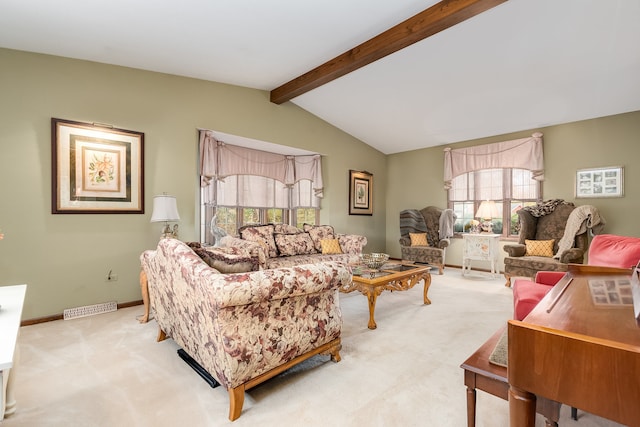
(254,249)
(516,250)
(572,256)
(351,243)
(444,243)
(405,241)
(230,290)
(549,277)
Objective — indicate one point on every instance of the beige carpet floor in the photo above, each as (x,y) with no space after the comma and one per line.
(108,370)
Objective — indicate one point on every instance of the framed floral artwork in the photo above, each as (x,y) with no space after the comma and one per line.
(360,193)
(96,169)
(600,182)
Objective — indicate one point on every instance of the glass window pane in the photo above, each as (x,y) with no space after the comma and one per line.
(226,219)
(275,216)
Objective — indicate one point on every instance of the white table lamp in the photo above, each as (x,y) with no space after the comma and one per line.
(165,209)
(486,212)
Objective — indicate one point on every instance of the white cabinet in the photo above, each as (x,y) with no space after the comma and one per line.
(11,302)
(480,247)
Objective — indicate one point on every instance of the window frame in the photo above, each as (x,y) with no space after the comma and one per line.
(509,232)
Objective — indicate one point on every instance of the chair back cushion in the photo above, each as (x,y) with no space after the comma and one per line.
(610,250)
(545,227)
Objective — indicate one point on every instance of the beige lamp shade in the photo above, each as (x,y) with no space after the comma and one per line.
(165,208)
(487,210)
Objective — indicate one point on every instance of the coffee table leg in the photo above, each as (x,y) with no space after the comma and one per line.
(427,283)
(371,297)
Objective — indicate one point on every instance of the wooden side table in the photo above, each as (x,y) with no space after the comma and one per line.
(483,375)
(11,301)
(480,247)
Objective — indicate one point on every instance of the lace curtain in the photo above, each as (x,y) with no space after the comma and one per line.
(525,153)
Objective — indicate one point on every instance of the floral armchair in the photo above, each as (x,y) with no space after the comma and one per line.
(425,221)
(541,229)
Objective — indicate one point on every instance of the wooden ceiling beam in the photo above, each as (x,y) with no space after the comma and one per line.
(438,17)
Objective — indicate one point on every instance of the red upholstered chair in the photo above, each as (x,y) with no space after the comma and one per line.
(608,250)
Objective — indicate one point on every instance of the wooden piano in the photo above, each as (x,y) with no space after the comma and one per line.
(580,346)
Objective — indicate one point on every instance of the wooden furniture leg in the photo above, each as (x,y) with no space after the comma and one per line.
(236,400)
(471,407)
(427,284)
(522,408)
(144,288)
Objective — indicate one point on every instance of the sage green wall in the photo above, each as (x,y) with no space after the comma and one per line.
(416,177)
(64,258)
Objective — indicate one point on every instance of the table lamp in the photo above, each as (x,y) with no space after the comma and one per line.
(486,212)
(165,209)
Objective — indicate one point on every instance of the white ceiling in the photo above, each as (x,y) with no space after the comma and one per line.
(521,65)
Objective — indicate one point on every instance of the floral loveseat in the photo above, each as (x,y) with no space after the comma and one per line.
(283,245)
(244,328)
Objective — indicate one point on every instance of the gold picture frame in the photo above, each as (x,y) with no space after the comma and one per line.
(96,169)
(360,193)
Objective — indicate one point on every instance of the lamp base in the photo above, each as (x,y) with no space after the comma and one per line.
(486,226)
(168,232)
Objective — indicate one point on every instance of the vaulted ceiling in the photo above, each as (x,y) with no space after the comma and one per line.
(522,64)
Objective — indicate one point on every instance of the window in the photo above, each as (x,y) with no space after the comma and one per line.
(510,188)
(249,199)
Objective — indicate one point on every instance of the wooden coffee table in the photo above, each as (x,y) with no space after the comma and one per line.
(393,276)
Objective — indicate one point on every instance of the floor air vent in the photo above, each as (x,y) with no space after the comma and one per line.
(89,310)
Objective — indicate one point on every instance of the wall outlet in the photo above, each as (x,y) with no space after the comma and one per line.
(111,277)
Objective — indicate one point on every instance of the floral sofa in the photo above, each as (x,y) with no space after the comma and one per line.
(244,328)
(283,245)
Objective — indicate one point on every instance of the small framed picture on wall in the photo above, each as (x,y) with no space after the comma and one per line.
(360,193)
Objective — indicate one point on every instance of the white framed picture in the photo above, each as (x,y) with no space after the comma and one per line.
(600,182)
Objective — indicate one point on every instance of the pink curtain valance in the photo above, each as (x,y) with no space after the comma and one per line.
(219,160)
(524,153)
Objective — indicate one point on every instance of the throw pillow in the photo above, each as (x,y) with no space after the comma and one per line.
(262,234)
(225,260)
(330,246)
(418,239)
(539,248)
(294,244)
(319,232)
(286,229)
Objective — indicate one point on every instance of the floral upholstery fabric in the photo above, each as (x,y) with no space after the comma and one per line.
(261,234)
(351,245)
(239,326)
(294,244)
(319,232)
(286,229)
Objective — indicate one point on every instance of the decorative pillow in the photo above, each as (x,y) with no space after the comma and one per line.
(262,234)
(330,246)
(225,260)
(286,229)
(294,244)
(539,248)
(319,232)
(418,239)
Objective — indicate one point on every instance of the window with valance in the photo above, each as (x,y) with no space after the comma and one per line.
(508,172)
(258,186)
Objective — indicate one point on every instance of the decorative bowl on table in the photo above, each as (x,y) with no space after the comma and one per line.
(374,260)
